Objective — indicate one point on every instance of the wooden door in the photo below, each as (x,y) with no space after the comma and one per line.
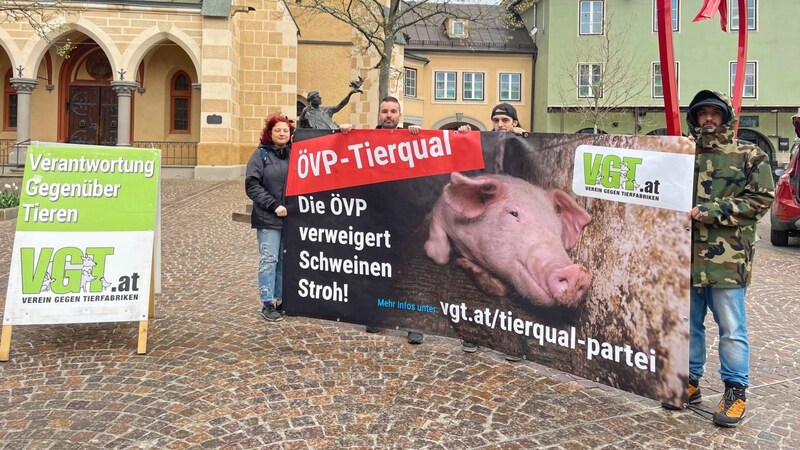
(92,115)
(107,134)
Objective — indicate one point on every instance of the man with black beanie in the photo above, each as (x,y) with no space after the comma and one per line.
(733,189)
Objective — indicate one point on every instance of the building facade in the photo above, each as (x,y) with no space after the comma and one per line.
(457,69)
(571,37)
(196,79)
(193,78)
(331,55)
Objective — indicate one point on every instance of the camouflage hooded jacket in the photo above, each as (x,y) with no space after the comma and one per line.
(733,189)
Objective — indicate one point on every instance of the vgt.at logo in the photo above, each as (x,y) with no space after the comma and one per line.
(610,171)
(67,270)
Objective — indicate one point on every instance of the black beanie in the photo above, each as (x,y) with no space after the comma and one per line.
(505,108)
(710,101)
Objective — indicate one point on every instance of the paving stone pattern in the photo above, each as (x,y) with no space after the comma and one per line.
(217,376)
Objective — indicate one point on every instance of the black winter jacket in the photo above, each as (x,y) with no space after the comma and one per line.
(265,184)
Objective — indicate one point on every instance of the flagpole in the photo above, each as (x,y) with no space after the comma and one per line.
(741,61)
(667,59)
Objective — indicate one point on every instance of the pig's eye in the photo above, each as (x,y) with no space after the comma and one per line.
(514,213)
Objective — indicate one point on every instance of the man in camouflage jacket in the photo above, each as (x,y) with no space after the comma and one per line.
(733,189)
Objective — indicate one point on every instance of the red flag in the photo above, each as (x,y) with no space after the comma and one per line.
(707,12)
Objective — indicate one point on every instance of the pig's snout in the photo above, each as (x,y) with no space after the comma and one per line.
(569,284)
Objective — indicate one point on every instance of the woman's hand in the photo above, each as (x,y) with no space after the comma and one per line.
(281,211)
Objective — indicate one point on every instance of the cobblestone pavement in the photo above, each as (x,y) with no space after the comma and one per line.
(217,376)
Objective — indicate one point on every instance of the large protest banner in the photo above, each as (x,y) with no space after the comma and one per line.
(84,242)
(571,250)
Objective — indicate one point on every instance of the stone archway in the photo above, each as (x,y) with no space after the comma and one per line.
(754,137)
(91,115)
(168,100)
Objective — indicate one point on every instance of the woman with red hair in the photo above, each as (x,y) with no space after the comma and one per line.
(265,184)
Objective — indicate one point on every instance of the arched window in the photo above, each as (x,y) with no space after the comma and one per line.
(10,102)
(180,95)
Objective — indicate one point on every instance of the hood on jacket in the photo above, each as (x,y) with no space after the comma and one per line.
(280,152)
(796,123)
(712,98)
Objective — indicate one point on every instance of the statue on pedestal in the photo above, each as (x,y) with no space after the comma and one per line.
(321,117)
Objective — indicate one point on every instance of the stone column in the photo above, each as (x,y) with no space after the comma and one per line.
(124,89)
(24,88)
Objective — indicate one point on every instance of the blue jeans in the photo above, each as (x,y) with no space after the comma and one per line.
(270,265)
(727,306)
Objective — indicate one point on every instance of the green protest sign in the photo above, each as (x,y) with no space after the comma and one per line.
(88,189)
(83,250)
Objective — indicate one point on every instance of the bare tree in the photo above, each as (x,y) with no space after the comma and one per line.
(380,23)
(40,16)
(606,75)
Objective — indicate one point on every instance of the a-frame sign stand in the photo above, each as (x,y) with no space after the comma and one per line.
(96,236)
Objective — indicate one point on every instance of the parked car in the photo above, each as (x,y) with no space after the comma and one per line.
(785,210)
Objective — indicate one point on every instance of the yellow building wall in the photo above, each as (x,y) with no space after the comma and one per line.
(434,111)
(5,64)
(331,55)
(414,107)
(266,62)
(151,110)
(246,65)
(325,67)
(43,120)
(320,27)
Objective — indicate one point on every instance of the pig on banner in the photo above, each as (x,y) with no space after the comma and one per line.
(569,250)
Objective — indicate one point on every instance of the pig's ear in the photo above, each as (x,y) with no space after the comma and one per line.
(470,196)
(573,217)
